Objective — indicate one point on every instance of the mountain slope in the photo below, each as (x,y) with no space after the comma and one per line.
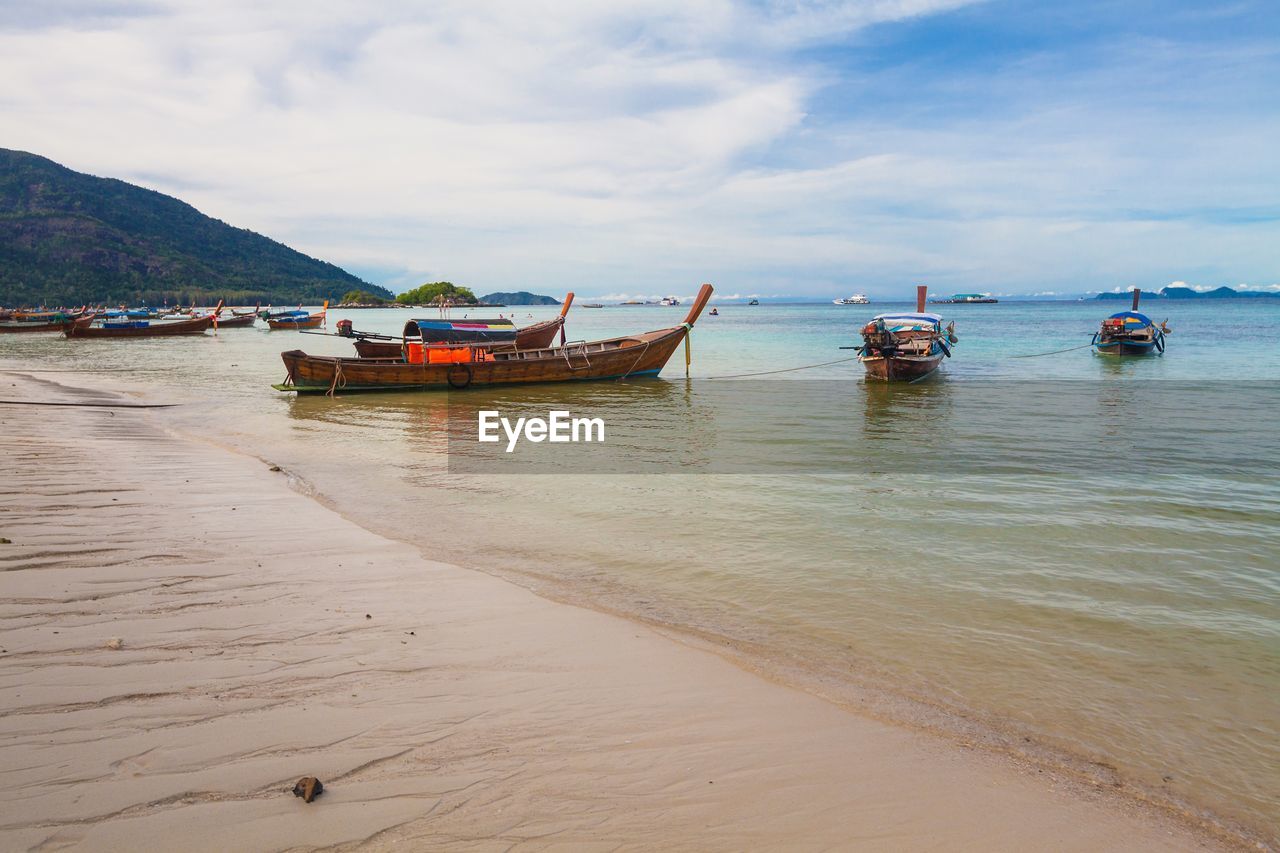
(67,237)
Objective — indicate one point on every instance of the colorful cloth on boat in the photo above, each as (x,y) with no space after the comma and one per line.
(497,325)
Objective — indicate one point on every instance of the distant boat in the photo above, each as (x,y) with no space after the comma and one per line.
(299,319)
(591,305)
(43,321)
(632,302)
(754,302)
(715,312)
(127,328)
(669,300)
(497,332)
(1130,333)
(905,346)
(239,319)
(966,299)
(856,299)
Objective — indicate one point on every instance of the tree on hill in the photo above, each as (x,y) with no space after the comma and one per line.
(362,297)
(435,292)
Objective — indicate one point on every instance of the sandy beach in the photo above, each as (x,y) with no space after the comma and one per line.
(185,635)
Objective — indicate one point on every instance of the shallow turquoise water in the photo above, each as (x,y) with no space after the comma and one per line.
(1077,549)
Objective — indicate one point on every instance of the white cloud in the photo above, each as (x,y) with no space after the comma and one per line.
(636,145)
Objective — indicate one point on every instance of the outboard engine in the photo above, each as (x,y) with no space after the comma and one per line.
(344,328)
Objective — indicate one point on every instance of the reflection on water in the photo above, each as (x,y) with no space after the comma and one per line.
(1092,561)
(1095,562)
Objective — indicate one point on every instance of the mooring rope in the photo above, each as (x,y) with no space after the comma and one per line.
(339,380)
(89,405)
(1055,352)
(787,370)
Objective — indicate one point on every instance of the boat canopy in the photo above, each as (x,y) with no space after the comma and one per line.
(413,328)
(901,321)
(1132,318)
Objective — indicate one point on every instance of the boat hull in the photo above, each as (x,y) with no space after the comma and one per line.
(27,326)
(617,358)
(900,368)
(240,321)
(313,322)
(84,328)
(1125,348)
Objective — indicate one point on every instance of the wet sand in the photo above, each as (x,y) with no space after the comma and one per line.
(263,637)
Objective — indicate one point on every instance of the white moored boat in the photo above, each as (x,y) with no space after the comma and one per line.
(856,299)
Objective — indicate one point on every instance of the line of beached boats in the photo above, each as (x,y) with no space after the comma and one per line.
(450,353)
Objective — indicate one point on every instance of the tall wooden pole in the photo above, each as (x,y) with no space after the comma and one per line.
(921,292)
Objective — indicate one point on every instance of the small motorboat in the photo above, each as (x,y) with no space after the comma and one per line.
(856,299)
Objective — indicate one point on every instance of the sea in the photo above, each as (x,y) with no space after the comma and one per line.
(1069,557)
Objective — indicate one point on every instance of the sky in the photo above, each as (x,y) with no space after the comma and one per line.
(635,148)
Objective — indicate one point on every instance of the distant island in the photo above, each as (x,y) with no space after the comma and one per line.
(520,297)
(438,293)
(70,238)
(1188,293)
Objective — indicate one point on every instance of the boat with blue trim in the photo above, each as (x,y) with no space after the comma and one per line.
(905,346)
(299,319)
(501,332)
(1131,333)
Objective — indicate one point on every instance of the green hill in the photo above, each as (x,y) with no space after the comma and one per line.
(1188,293)
(522,297)
(70,238)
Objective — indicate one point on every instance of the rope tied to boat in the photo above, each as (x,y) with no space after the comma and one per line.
(785,370)
(339,380)
(688,351)
(634,363)
(1057,351)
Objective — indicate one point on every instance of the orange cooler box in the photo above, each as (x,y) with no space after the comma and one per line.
(448,355)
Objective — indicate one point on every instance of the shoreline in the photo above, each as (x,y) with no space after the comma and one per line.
(933,786)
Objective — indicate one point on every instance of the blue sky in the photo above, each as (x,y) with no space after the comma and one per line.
(639,147)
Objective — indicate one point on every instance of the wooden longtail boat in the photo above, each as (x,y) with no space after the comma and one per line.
(46,322)
(905,346)
(295,320)
(1130,333)
(498,332)
(84,328)
(241,322)
(460,366)
(238,319)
